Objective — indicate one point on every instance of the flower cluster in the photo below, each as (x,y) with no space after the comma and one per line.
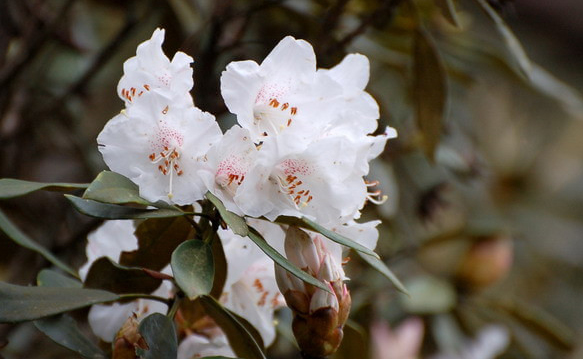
(301,148)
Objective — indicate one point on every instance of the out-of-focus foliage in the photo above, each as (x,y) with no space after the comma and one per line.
(483,224)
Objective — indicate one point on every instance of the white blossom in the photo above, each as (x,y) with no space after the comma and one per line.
(250,288)
(151,70)
(228,163)
(160,147)
(318,183)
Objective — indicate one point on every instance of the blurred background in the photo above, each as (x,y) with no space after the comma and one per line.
(484,222)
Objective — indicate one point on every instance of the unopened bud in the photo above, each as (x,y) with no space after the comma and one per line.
(323,299)
(300,249)
(127,339)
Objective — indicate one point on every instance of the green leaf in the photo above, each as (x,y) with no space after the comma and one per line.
(22,239)
(157,239)
(63,330)
(239,338)
(107,275)
(447,8)
(10,187)
(384,270)
(50,278)
(429,90)
(193,267)
(235,222)
(114,211)
(512,44)
(160,334)
(313,226)
(282,261)
(111,187)
(539,321)
(21,303)
(220,266)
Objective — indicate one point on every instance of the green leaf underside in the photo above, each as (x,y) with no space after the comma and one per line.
(157,239)
(23,240)
(429,90)
(333,236)
(448,10)
(111,187)
(193,267)
(50,278)
(63,330)
(282,261)
(20,303)
(107,275)
(512,44)
(160,334)
(239,338)
(235,222)
(10,187)
(384,270)
(114,211)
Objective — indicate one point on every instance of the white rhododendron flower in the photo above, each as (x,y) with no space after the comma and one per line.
(319,183)
(151,70)
(228,162)
(160,148)
(110,240)
(250,288)
(312,129)
(280,93)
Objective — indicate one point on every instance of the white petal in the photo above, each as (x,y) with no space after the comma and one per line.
(109,240)
(198,346)
(352,72)
(290,59)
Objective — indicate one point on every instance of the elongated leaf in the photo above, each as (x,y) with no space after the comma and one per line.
(108,275)
(338,238)
(50,278)
(235,222)
(157,239)
(220,266)
(512,44)
(239,338)
(384,270)
(63,330)
(28,303)
(22,239)
(447,8)
(160,334)
(111,187)
(114,211)
(539,321)
(193,267)
(10,187)
(429,90)
(282,261)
